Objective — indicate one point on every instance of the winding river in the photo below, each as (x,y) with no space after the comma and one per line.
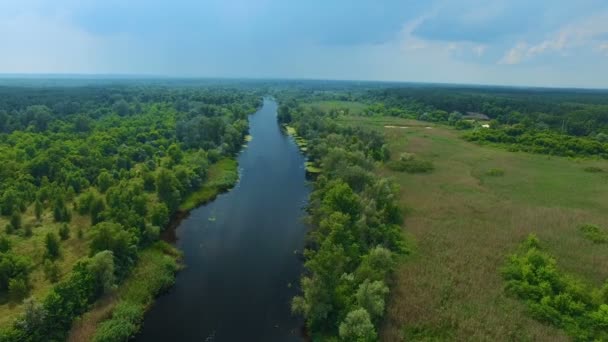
(239,250)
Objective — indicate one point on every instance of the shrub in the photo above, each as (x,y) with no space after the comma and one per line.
(51,243)
(357,326)
(411,166)
(27,230)
(594,233)
(495,172)
(593,169)
(16,219)
(64,231)
(123,325)
(554,297)
(5,244)
(51,271)
(18,288)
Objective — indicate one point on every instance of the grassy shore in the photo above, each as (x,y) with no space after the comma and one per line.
(222,176)
(467,215)
(153,274)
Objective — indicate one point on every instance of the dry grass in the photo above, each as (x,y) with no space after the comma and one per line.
(33,247)
(464,223)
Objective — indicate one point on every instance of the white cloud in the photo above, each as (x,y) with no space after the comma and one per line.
(515,55)
(581,34)
(479,50)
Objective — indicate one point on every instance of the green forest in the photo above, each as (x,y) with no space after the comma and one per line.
(90,176)
(435,212)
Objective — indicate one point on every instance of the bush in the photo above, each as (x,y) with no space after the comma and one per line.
(594,233)
(51,271)
(358,327)
(18,288)
(593,169)
(64,231)
(123,325)
(553,297)
(51,243)
(5,244)
(411,166)
(495,172)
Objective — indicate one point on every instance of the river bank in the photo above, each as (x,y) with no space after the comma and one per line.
(240,250)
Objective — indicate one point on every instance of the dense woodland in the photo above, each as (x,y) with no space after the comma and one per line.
(356,238)
(108,166)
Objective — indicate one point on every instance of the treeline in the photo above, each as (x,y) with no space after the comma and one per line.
(573,112)
(125,158)
(519,138)
(356,237)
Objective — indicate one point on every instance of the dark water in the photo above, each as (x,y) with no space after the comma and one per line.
(239,251)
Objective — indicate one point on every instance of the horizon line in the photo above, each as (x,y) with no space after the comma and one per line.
(143,76)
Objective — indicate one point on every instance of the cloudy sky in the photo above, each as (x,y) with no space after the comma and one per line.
(511,42)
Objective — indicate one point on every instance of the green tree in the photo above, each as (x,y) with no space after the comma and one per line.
(5,244)
(160,215)
(51,270)
(16,219)
(371,295)
(121,242)
(18,288)
(38,209)
(358,327)
(101,266)
(34,316)
(167,187)
(64,231)
(51,242)
(104,181)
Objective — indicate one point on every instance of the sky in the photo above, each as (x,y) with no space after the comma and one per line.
(560,43)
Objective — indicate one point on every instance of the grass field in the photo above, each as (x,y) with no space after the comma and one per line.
(466,216)
(354,108)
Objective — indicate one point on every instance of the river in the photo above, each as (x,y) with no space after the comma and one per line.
(240,250)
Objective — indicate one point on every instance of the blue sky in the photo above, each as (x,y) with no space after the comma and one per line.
(511,42)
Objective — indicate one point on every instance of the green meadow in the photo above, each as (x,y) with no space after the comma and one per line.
(468,215)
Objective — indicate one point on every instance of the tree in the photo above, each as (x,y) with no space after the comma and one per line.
(101,267)
(96,210)
(358,327)
(51,243)
(38,209)
(108,236)
(64,231)
(167,189)
(16,219)
(18,288)
(5,244)
(104,181)
(160,215)
(121,107)
(51,270)
(34,316)
(371,295)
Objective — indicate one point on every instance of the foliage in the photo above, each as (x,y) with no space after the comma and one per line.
(357,327)
(357,236)
(124,323)
(594,233)
(413,165)
(518,137)
(552,296)
(51,243)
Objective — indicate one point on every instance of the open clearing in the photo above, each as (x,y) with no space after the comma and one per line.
(467,216)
